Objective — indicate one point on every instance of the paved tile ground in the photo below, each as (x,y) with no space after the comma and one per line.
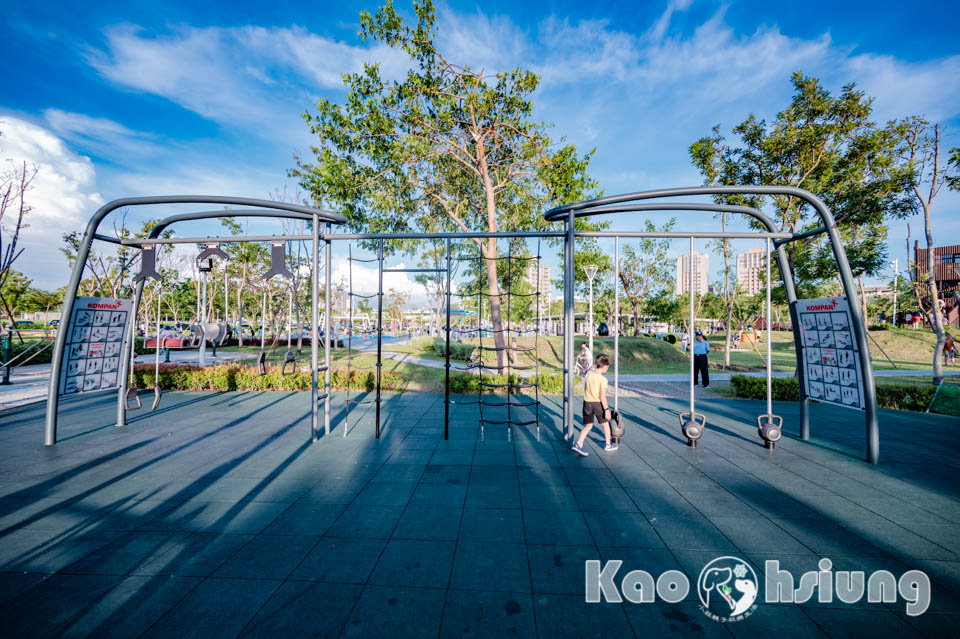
(214,517)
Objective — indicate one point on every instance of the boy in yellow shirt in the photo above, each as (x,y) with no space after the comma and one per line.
(595,405)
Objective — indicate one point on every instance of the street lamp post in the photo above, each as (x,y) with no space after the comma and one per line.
(591,271)
(896,285)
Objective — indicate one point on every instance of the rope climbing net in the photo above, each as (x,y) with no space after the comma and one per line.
(517,408)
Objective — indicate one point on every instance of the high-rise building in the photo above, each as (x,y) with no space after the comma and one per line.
(545,274)
(701,273)
(750,271)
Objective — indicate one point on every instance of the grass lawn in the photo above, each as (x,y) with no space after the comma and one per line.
(419,378)
(638,355)
(906,348)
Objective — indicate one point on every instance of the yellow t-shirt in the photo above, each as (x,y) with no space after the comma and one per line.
(594,386)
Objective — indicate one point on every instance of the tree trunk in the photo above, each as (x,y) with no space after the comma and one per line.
(496,319)
(863,300)
(935,316)
(635,307)
(726,349)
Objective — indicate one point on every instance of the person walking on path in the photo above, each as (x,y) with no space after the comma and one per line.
(700,365)
(595,407)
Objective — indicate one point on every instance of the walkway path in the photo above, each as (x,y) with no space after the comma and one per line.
(215,516)
(30,382)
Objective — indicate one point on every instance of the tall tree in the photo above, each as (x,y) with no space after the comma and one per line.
(829,146)
(645,270)
(921,154)
(15,181)
(247,263)
(447,147)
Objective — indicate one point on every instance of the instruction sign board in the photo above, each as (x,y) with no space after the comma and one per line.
(96,333)
(830,355)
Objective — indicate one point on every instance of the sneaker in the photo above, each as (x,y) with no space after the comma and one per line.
(611,447)
(579,451)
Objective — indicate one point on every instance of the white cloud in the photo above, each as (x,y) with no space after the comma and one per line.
(365,280)
(252,76)
(107,138)
(63,194)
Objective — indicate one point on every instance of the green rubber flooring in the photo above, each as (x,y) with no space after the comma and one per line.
(215,516)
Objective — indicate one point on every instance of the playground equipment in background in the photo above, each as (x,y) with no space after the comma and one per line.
(567,214)
(511,384)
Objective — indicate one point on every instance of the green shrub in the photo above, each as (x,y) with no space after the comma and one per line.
(551,384)
(670,338)
(458,351)
(17,348)
(786,389)
(905,396)
(423,343)
(235,377)
(878,327)
(464,383)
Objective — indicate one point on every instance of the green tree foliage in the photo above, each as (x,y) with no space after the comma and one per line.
(447,147)
(645,270)
(828,145)
(15,288)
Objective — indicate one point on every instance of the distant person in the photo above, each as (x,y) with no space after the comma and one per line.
(165,334)
(949,351)
(585,358)
(916,319)
(700,364)
(595,407)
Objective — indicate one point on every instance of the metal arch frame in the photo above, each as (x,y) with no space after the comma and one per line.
(265,208)
(569,212)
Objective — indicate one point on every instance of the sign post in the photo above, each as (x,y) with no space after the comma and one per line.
(96,333)
(830,355)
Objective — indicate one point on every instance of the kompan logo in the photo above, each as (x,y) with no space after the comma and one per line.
(728,587)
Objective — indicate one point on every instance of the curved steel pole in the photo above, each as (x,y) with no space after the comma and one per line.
(315,330)
(690,328)
(128,356)
(846,277)
(616,325)
(274,209)
(328,249)
(569,325)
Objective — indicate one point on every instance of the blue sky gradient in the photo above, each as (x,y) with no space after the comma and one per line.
(114,99)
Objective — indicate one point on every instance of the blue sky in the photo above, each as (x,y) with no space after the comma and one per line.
(116,99)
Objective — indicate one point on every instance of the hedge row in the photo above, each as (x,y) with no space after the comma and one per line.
(236,377)
(458,351)
(423,343)
(787,389)
(467,383)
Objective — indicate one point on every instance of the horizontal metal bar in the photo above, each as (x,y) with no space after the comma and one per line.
(440,236)
(685,235)
(414,270)
(425,236)
(219,239)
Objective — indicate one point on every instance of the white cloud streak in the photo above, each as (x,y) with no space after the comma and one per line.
(63,194)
